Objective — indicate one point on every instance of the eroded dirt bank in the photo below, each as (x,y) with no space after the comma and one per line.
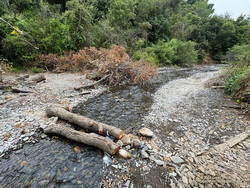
(187,119)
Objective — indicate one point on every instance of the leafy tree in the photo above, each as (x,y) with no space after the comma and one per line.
(242,25)
(152,20)
(122,13)
(78,18)
(174,52)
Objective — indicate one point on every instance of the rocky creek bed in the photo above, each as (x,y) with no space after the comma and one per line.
(187,119)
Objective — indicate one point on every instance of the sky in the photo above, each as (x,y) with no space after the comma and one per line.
(233,7)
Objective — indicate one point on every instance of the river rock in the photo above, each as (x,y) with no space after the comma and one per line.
(146,132)
(136,143)
(124,154)
(126,140)
(177,160)
(144,154)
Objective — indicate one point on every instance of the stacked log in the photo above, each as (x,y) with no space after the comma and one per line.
(95,139)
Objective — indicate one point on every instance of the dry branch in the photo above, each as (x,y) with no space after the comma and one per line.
(93,84)
(90,139)
(84,122)
(218,87)
(20,90)
(233,141)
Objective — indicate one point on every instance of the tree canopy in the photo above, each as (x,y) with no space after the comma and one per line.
(56,26)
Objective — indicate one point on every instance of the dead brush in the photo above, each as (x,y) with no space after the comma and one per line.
(114,62)
(5,67)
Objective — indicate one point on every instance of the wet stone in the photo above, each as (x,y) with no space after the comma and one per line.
(46,162)
(177,160)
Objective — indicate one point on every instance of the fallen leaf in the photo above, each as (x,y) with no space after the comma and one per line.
(23,163)
(167,159)
(19,125)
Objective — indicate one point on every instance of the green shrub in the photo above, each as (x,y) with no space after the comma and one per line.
(148,56)
(239,55)
(36,70)
(239,71)
(15,49)
(235,78)
(174,52)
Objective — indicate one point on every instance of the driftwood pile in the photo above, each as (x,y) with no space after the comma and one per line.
(98,136)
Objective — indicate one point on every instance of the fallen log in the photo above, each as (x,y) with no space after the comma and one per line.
(233,141)
(93,84)
(90,139)
(234,106)
(84,122)
(37,78)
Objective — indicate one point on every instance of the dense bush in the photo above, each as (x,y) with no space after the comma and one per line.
(174,52)
(53,26)
(239,73)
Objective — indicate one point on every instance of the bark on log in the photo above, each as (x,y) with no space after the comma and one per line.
(84,122)
(90,139)
(37,78)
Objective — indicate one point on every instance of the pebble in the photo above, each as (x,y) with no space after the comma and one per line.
(43,135)
(177,160)
(159,162)
(124,154)
(149,147)
(146,132)
(26,139)
(184,179)
(127,183)
(172,174)
(144,154)
(137,143)
(126,140)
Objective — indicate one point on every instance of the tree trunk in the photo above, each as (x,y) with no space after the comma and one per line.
(84,122)
(90,139)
